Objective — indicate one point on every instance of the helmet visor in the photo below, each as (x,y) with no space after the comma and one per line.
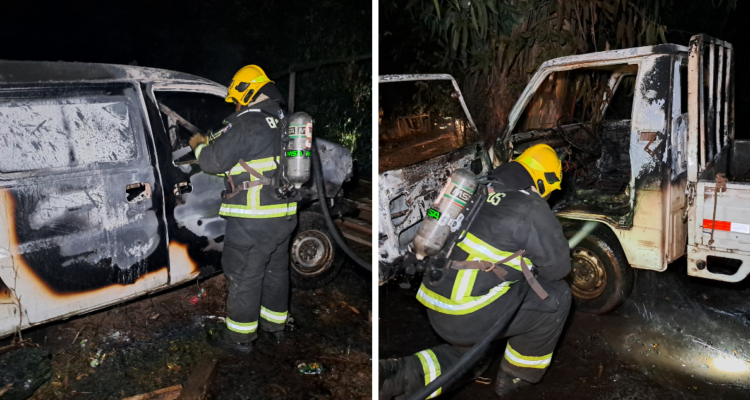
(551,178)
(242,86)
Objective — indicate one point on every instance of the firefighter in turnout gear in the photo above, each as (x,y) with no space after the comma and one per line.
(259,223)
(465,295)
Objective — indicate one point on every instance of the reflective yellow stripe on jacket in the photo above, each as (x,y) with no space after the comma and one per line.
(461,301)
(480,250)
(252,208)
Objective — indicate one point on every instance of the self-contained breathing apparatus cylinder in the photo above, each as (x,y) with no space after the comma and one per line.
(297,145)
(446,214)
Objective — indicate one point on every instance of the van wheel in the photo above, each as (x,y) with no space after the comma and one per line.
(314,257)
(600,277)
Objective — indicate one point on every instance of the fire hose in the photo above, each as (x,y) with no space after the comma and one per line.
(318,172)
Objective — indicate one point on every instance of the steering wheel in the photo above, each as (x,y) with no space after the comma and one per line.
(593,148)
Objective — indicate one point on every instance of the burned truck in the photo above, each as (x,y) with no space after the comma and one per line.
(102,200)
(646,138)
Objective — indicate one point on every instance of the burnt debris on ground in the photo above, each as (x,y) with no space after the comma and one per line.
(157,341)
(675,337)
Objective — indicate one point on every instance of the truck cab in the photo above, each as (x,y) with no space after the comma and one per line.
(642,134)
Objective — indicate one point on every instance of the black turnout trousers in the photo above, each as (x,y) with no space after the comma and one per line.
(532,336)
(256,265)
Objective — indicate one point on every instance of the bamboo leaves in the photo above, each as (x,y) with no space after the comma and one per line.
(497,44)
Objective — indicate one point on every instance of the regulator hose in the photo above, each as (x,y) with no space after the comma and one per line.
(318,172)
(470,358)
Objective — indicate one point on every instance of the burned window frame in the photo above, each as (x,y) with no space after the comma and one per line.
(138,123)
(215,124)
(619,70)
(184,88)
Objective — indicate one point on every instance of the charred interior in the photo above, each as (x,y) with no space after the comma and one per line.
(585,115)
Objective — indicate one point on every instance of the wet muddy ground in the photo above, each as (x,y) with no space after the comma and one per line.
(676,337)
(155,342)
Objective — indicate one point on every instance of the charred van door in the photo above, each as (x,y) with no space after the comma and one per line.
(192,201)
(82,203)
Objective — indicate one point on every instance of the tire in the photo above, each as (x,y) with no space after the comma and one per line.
(314,257)
(601,277)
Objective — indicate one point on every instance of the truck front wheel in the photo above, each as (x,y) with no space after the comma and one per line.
(600,277)
(314,258)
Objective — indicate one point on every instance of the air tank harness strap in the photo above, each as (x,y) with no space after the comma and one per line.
(487,266)
(261,180)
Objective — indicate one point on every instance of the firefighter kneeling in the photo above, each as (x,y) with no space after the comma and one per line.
(512,239)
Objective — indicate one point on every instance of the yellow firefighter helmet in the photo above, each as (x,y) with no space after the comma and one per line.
(246,84)
(544,167)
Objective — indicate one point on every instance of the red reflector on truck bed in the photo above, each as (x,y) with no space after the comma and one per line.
(726,226)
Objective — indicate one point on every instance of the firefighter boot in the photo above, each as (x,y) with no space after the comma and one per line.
(392,378)
(505,383)
(274,332)
(227,340)
(400,377)
(276,337)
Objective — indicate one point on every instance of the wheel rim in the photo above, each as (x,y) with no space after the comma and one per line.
(588,276)
(312,252)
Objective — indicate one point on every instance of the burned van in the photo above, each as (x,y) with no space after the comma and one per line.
(101,198)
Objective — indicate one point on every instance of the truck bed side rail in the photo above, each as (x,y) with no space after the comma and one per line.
(710,101)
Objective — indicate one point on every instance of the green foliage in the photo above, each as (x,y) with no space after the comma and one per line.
(338,98)
(484,34)
(497,44)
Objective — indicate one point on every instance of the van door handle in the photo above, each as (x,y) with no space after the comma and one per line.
(137,192)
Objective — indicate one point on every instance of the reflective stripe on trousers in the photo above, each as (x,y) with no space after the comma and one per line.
(242,327)
(522,361)
(272,316)
(431,368)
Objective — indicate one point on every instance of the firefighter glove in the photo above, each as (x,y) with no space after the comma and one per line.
(197,139)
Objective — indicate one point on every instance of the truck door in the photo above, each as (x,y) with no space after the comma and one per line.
(82,224)
(719,214)
(676,199)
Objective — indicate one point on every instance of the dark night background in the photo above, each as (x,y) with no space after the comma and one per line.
(213,39)
(406,46)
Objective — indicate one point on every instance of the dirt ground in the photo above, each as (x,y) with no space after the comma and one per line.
(665,342)
(413,149)
(155,342)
